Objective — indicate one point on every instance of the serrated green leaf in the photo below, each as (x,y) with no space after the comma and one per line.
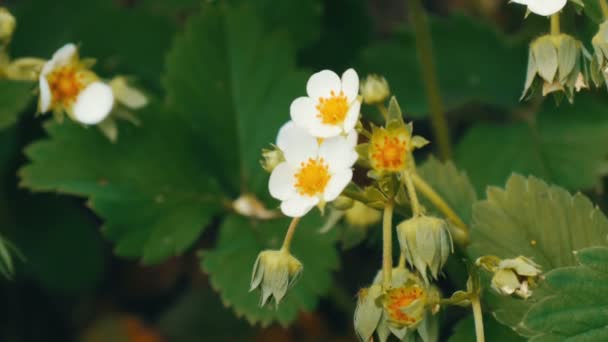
(535,220)
(463,48)
(150,187)
(234,85)
(464,331)
(577,310)
(453,186)
(14,98)
(230,265)
(567,146)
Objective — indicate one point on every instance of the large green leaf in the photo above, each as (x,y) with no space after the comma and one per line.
(150,187)
(577,309)
(231,262)
(567,145)
(464,331)
(234,85)
(533,219)
(14,98)
(474,62)
(452,185)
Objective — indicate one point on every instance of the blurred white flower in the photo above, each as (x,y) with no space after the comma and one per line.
(543,7)
(315,171)
(68,85)
(332,105)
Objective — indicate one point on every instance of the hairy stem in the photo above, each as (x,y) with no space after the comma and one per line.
(604,6)
(478,317)
(429,78)
(387,245)
(555,24)
(460,233)
(289,235)
(411,191)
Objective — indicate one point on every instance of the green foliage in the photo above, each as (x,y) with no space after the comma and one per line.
(230,263)
(474,62)
(14,98)
(150,187)
(576,307)
(233,84)
(532,219)
(565,145)
(464,331)
(452,185)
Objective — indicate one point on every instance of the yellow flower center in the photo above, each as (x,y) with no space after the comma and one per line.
(65,83)
(389,154)
(332,110)
(400,298)
(312,178)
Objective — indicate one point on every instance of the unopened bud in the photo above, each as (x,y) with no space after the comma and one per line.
(127,95)
(274,272)
(271,158)
(374,89)
(511,276)
(7,25)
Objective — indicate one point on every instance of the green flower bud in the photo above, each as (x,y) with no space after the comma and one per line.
(274,272)
(343,203)
(556,64)
(599,65)
(426,243)
(7,25)
(374,89)
(271,158)
(511,276)
(368,312)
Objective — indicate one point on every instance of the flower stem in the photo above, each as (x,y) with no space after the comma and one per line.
(382,109)
(401,261)
(411,191)
(289,235)
(387,245)
(555,24)
(604,6)
(429,78)
(460,231)
(478,317)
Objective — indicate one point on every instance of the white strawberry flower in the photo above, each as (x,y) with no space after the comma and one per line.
(68,85)
(332,105)
(315,171)
(543,7)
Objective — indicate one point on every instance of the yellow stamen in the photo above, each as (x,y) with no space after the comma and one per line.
(401,298)
(332,110)
(65,83)
(389,154)
(312,178)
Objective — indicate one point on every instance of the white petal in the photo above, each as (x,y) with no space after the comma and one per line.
(523,2)
(303,111)
(281,184)
(298,206)
(546,7)
(322,83)
(336,184)
(350,84)
(338,153)
(297,145)
(94,103)
(352,138)
(352,116)
(64,55)
(47,68)
(321,130)
(44,101)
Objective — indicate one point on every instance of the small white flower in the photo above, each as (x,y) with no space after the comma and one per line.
(315,171)
(67,85)
(543,7)
(331,107)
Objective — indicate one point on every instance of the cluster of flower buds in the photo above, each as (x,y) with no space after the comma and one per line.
(511,276)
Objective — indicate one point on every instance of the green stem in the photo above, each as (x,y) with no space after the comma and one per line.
(460,231)
(429,78)
(411,191)
(382,109)
(478,317)
(289,235)
(604,6)
(387,245)
(555,24)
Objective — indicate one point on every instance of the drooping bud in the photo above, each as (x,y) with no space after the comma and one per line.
(511,276)
(274,272)
(374,89)
(367,312)
(599,65)
(556,64)
(271,158)
(7,25)
(426,243)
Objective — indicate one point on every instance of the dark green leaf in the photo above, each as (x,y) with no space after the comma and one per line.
(231,262)
(14,98)
(464,331)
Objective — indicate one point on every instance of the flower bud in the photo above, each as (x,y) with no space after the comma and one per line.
(426,243)
(274,272)
(127,95)
(271,158)
(374,89)
(249,206)
(361,215)
(7,25)
(555,64)
(599,65)
(511,276)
